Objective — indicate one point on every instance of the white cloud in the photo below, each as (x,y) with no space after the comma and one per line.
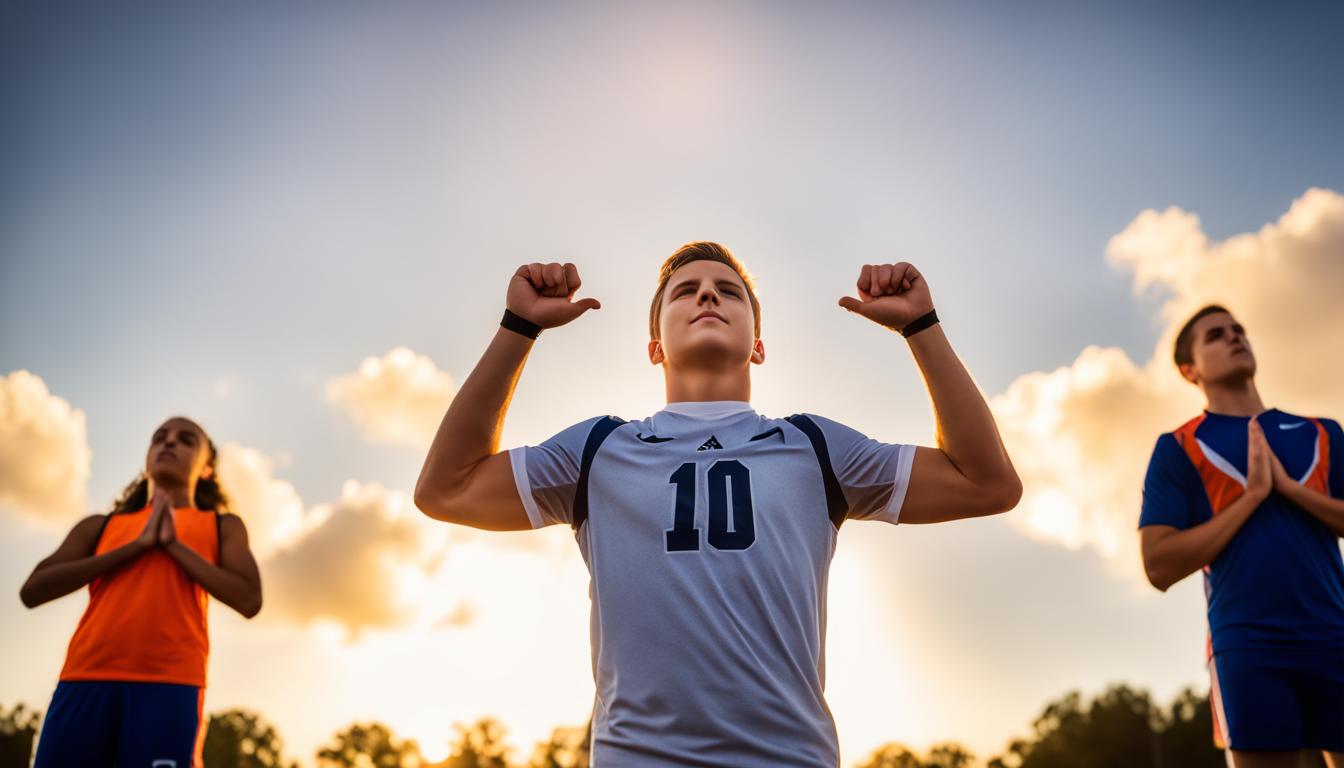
(1081,435)
(271,508)
(397,398)
(359,562)
(44,451)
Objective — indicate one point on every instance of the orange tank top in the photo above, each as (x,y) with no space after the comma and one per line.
(146,621)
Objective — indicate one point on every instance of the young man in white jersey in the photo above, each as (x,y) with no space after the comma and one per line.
(708,528)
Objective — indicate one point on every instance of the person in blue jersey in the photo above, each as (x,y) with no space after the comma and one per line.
(1254,497)
(708,528)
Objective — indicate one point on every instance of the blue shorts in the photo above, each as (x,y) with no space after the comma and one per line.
(1279,700)
(149,725)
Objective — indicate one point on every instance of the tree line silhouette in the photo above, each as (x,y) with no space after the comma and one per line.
(1120,728)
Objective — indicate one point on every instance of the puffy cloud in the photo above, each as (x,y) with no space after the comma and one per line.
(358,562)
(1081,435)
(44,451)
(271,508)
(397,398)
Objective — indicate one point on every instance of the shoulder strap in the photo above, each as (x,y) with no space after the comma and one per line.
(599,433)
(836,506)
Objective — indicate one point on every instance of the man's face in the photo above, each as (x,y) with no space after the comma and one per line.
(1221,351)
(706,318)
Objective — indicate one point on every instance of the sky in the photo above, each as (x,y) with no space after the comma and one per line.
(296,224)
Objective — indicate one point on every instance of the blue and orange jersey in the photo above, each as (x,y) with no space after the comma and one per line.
(1279,582)
(146,621)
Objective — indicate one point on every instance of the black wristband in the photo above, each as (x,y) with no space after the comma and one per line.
(520,325)
(923,322)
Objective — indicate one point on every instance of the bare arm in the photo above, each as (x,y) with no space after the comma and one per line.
(1170,554)
(465,479)
(73,564)
(236,581)
(1327,509)
(969,474)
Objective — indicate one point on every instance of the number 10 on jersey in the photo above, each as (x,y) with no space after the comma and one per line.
(684,536)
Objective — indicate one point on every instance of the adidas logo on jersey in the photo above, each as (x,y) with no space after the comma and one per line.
(711,444)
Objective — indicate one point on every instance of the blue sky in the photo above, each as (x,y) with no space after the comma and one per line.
(250,200)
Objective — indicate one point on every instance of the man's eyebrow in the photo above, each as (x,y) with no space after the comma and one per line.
(720,282)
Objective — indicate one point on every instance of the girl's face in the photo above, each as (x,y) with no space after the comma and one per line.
(179,453)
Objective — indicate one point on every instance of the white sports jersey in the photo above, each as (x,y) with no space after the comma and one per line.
(708,530)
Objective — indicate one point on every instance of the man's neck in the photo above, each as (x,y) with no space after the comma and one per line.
(1239,398)
(700,385)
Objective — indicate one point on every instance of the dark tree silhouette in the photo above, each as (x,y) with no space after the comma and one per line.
(567,748)
(892,756)
(480,745)
(369,746)
(1121,728)
(18,730)
(949,755)
(241,739)
(946,755)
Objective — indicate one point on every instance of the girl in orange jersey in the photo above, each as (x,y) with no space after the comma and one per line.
(133,684)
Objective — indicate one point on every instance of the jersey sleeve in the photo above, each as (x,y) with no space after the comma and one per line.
(1172,491)
(1336,436)
(873,475)
(548,474)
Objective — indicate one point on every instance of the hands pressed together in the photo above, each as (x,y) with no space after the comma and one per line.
(159,530)
(1264,471)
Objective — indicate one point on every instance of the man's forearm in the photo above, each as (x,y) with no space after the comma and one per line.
(470,430)
(1182,553)
(1328,510)
(966,431)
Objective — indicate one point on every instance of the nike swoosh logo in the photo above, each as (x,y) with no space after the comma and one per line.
(768,433)
(653,438)
(1292,426)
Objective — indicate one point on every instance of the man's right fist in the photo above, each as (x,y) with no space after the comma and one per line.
(543,294)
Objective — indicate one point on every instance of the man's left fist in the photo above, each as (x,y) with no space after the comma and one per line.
(890,295)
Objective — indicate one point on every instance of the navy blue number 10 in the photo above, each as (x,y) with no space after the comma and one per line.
(685,537)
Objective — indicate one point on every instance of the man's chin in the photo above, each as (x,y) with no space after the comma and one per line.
(709,351)
(1240,371)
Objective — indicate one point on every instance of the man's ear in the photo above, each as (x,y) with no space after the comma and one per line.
(758,352)
(1188,372)
(656,352)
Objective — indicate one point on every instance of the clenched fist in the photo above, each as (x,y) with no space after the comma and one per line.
(890,295)
(544,293)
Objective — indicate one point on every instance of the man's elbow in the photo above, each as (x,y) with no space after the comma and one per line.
(434,505)
(1157,577)
(1003,496)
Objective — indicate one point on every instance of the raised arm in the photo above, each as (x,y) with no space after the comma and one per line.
(969,474)
(74,563)
(465,478)
(1170,553)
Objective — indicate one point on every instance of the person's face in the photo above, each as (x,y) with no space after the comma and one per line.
(179,453)
(1220,351)
(706,318)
